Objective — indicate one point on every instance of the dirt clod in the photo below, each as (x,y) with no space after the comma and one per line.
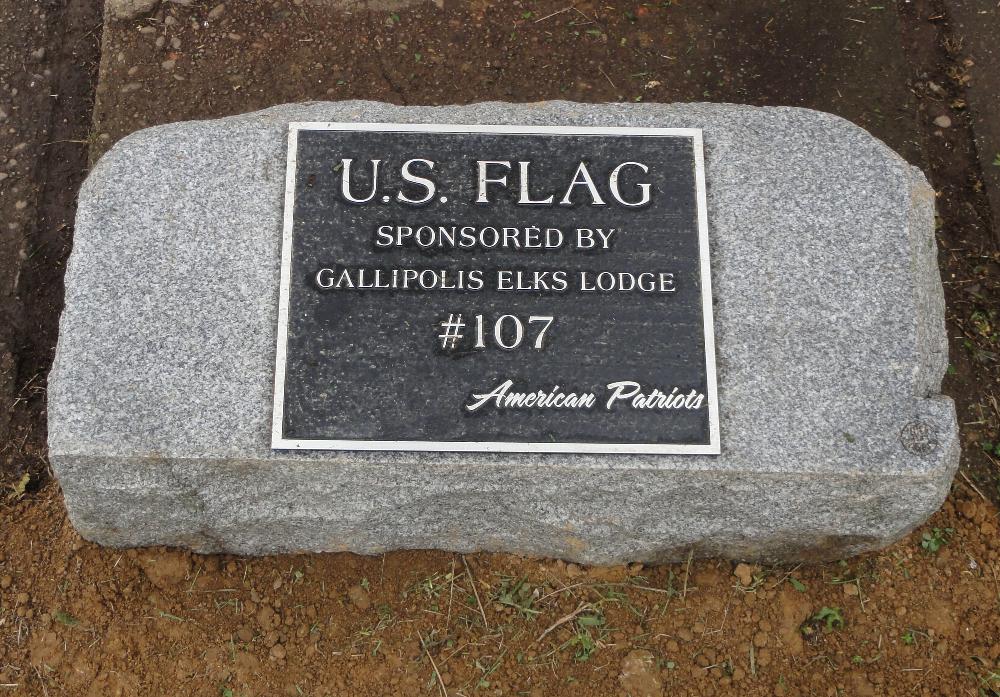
(359,597)
(744,574)
(165,568)
(639,675)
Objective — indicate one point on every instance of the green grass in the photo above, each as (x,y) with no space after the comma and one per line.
(934,540)
(517,594)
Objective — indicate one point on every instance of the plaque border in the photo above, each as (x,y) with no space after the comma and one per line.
(279,442)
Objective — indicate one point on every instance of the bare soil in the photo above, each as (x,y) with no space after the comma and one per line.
(49,53)
(77,619)
(922,617)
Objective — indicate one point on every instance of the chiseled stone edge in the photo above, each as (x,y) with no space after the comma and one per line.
(207,506)
(931,336)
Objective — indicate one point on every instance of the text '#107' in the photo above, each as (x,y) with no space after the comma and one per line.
(507,332)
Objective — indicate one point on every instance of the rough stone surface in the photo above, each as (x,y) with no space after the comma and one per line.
(829,322)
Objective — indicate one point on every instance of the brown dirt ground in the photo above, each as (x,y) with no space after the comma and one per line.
(48,63)
(80,620)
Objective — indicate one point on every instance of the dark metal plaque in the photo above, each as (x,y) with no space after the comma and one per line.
(495,288)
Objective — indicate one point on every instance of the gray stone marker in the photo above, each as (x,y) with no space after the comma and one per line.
(830,348)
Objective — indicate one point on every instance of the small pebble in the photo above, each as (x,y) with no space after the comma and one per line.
(217,11)
(943,121)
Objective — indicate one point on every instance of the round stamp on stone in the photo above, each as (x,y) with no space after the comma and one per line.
(919,437)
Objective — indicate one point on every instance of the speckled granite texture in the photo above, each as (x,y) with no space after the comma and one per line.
(829,322)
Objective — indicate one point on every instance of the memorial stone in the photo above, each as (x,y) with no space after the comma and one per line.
(605,333)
